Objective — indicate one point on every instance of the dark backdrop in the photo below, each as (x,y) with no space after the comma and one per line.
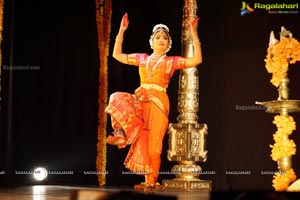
(54,107)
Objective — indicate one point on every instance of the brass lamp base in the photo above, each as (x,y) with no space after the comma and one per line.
(187,185)
(277,106)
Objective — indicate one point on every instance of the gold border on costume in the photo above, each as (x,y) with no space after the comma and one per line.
(103,18)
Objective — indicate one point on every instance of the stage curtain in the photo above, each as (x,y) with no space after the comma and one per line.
(103,19)
(1,28)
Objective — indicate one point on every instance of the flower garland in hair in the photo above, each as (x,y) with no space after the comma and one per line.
(280,55)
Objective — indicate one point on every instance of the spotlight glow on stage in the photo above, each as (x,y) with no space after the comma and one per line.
(40,174)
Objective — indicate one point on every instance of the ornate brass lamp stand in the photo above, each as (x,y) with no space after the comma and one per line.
(283,148)
(187,138)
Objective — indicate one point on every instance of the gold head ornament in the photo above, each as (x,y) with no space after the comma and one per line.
(160,27)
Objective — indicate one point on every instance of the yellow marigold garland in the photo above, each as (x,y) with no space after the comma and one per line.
(103,19)
(280,55)
(281,181)
(283,147)
(1,28)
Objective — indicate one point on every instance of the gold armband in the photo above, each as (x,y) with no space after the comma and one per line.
(197,41)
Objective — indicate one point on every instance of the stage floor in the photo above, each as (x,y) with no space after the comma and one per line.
(59,192)
(55,192)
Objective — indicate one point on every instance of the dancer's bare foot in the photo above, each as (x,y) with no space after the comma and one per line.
(149,189)
(118,138)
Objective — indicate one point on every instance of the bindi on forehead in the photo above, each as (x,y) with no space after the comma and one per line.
(161,34)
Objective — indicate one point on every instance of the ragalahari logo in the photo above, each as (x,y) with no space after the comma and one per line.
(246,9)
(270,8)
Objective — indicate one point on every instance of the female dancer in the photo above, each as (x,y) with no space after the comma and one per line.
(141,119)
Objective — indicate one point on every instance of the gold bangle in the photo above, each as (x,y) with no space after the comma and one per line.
(119,40)
(197,41)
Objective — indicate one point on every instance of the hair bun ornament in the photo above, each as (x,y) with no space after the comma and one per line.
(160,26)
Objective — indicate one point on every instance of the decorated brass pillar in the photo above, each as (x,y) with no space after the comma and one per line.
(187,138)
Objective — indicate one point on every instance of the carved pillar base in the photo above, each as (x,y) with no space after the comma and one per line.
(193,185)
(187,147)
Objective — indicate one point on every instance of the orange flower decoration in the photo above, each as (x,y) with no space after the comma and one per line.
(280,55)
(281,181)
(283,147)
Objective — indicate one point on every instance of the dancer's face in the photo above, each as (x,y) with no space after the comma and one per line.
(161,41)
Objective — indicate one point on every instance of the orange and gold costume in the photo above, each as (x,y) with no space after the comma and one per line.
(144,115)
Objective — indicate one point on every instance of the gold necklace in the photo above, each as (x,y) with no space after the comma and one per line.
(156,57)
(150,72)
